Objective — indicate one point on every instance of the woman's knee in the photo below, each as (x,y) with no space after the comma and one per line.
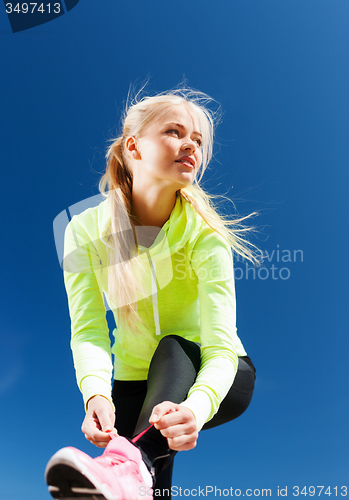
(238,398)
(178,347)
(245,377)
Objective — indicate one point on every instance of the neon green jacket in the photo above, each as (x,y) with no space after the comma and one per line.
(189,291)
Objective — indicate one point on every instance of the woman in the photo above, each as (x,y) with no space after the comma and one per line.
(161,255)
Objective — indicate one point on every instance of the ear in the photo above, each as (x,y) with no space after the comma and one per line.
(131,148)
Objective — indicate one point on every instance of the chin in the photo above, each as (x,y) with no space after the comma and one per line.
(187,179)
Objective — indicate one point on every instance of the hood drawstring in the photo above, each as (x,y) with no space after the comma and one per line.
(154,292)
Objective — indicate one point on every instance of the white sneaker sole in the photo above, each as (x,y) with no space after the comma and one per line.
(68,478)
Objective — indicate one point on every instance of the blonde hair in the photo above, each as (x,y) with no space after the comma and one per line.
(121,235)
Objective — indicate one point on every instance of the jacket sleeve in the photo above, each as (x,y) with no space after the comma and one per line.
(90,340)
(213,264)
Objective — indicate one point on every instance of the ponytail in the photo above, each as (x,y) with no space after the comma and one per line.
(121,240)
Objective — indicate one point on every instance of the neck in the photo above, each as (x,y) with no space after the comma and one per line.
(152,207)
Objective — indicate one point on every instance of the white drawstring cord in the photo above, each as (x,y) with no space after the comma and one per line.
(155,298)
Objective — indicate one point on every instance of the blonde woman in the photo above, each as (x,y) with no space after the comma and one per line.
(160,254)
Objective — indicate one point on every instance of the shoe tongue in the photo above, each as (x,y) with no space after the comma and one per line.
(122,447)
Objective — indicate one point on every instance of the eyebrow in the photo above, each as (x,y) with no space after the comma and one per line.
(182,127)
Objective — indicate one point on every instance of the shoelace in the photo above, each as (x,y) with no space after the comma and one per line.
(135,439)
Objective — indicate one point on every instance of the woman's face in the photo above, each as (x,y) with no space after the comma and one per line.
(169,149)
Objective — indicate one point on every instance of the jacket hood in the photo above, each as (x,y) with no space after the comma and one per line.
(183,224)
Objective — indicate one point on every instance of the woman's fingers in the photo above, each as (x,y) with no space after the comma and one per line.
(177,423)
(181,443)
(160,410)
(99,421)
(97,437)
(181,417)
(173,431)
(99,444)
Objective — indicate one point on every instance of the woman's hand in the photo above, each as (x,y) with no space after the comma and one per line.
(176,423)
(99,421)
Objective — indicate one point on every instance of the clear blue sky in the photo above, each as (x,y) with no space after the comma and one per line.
(280,70)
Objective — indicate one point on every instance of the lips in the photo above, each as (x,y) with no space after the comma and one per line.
(187,160)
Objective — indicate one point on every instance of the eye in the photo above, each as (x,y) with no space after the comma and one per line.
(198,141)
(173,131)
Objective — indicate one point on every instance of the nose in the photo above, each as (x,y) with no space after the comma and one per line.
(188,144)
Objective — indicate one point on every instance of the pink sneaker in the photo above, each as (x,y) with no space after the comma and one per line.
(118,474)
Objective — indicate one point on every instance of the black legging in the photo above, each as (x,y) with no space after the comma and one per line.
(172,372)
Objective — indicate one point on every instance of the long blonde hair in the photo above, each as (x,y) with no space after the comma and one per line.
(121,235)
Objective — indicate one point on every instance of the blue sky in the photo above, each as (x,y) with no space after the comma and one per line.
(279,69)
